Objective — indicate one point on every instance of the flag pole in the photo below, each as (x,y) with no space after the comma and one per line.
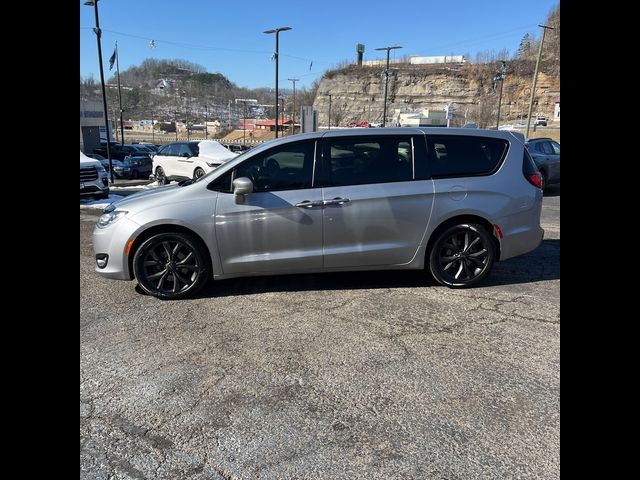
(119,95)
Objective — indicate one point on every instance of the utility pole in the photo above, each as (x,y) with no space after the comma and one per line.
(293,108)
(501,76)
(98,32)
(244,120)
(386,82)
(153,129)
(206,115)
(276,31)
(175,122)
(329,95)
(535,77)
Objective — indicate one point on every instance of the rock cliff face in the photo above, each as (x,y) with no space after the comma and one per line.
(357,94)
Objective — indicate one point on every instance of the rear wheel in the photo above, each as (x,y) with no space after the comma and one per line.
(462,255)
(171,266)
(161,177)
(134,175)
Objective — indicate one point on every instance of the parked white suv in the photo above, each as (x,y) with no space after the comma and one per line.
(182,160)
(94,179)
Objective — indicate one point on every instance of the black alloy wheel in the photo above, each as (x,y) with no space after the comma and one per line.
(462,255)
(171,266)
(198,173)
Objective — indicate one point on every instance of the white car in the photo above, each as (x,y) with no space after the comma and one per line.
(182,160)
(94,179)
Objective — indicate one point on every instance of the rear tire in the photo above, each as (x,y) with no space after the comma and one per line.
(161,178)
(171,266)
(462,255)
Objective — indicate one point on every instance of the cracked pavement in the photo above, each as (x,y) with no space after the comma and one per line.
(353,375)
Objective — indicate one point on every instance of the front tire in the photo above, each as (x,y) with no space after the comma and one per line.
(198,173)
(171,266)
(462,255)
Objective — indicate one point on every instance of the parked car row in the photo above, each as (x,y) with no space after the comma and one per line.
(449,201)
(94,180)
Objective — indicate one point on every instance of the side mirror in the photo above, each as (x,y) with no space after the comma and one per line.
(185,155)
(241,187)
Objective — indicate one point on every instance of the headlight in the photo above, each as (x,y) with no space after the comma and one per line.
(211,164)
(110,218)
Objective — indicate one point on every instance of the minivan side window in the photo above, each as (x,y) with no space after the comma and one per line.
(461,156)
(358,161)
(287,167)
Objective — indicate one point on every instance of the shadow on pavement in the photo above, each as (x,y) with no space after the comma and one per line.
(539,265)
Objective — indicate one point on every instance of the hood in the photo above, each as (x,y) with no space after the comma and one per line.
(89,162)
(214,151)
(151,196)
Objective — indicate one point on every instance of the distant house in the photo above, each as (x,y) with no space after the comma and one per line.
(556,110)
(271,125)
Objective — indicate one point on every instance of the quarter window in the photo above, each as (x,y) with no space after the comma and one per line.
(457,156)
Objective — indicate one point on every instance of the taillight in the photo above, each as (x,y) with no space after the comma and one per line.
(535,179)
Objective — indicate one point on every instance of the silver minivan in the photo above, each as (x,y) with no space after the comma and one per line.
(446,200)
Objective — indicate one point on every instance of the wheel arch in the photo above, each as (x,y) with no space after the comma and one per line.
(467,218)
(164,228)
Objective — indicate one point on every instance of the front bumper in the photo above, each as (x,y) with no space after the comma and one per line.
(113,241)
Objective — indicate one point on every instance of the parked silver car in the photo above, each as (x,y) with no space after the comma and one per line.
(450,201)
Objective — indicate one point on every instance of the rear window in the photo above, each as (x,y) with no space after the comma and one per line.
(460,156)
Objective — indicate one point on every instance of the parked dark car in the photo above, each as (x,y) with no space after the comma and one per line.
(118,151)
(101,159)
(133,167)
(546,155)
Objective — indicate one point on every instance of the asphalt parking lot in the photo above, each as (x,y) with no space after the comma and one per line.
(367,375)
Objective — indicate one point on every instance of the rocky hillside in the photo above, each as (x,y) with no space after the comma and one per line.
(357,93)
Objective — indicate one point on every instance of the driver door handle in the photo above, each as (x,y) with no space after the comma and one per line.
(336,201)
(309,204)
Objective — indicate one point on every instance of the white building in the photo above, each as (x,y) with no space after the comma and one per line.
(92,128)
(419,118)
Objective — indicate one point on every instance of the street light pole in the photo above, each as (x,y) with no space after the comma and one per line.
(94,3)
(535,78)
(386,82)
(293,107)
(277,31)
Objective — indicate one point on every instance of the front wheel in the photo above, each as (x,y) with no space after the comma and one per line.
(198,173)
(171,266)
(462,255)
